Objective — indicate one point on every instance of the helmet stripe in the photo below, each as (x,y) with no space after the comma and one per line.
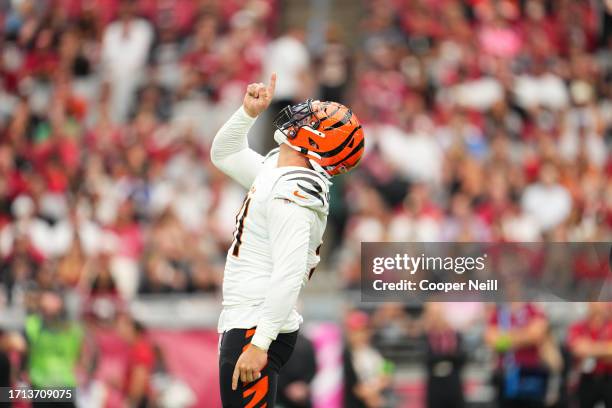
(351,154)
(333,152)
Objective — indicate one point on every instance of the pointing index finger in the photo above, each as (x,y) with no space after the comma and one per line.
(272,84)
(235,378)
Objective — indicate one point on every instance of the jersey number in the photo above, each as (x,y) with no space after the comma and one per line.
(240,217)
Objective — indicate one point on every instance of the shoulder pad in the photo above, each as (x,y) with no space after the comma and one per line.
(304,187)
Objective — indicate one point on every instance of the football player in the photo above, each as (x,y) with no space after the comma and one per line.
(278,233)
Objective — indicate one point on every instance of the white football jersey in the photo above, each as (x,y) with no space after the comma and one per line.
(278,233)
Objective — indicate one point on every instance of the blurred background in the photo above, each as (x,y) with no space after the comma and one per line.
(486,120)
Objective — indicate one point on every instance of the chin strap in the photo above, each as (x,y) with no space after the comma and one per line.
(319,169)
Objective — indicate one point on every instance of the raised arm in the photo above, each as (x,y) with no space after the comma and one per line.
(230,150)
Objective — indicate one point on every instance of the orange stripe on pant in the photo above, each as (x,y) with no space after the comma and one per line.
(248,334)
(259,390)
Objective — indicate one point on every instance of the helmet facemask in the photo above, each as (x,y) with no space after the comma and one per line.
(294,117)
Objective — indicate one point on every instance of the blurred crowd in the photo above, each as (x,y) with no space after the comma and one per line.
(107,111)
(486,120)
(533,359)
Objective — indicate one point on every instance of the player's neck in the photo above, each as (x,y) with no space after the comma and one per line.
(289,157)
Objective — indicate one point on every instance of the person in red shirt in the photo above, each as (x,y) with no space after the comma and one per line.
(515,331)
(141,361)
(590,341)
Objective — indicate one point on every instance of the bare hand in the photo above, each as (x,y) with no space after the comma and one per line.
(258,97)
(249,365)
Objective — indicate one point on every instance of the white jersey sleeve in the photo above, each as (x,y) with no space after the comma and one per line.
(230,150)
(289,229)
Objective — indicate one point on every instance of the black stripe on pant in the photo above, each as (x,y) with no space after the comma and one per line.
(260,393)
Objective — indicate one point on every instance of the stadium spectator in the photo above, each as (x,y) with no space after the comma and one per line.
(11,344)
(515,332)
(54,345)
(289,58)
(366,373)
(589,341)
(334,68)
(294,385)
(124,51)
(547,202)
(140,364)
(445,358)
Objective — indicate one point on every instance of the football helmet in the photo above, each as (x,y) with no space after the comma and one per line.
(327,133)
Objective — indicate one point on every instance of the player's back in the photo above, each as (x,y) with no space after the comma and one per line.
(249,260)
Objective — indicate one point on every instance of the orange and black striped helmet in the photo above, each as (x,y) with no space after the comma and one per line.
(327,133)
